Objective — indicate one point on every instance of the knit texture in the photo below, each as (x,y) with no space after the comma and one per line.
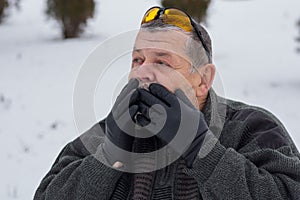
(143,182)
(247,154)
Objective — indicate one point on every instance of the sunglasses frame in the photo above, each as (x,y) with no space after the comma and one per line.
(161,11)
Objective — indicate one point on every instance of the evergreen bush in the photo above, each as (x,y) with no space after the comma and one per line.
(3,6)
(71,15)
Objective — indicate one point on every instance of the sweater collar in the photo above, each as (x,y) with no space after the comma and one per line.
(214,112)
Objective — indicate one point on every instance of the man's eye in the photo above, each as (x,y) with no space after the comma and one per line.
(137,60)
(163,63)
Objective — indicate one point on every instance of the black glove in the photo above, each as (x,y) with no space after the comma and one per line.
(176,108)
(119,122)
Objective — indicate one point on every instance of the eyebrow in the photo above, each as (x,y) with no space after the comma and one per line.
(158,54)
(162,54)
(137,50)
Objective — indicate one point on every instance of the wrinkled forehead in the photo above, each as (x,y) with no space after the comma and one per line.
(168,40)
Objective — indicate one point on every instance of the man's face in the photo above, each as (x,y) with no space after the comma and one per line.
(160,57)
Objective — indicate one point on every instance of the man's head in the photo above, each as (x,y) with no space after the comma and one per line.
(172,53)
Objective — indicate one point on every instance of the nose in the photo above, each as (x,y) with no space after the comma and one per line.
(145,73)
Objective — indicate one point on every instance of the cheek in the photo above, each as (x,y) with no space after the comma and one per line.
(176,81)
(168,78)
(167,84)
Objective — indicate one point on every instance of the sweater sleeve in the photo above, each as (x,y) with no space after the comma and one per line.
(78,174)
(262,165)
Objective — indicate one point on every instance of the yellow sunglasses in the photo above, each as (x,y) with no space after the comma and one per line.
(175,17)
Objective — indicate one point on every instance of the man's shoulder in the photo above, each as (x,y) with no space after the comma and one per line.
(237,110)
(258,122)
(89,140)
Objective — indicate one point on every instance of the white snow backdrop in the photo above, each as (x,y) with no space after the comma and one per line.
(254,51)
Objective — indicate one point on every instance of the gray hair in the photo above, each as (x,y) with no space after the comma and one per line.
(197,55)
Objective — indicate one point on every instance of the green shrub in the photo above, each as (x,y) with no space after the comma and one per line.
(3,6)
(197,9)
(71,15)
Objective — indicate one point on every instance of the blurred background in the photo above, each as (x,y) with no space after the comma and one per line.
(256,48)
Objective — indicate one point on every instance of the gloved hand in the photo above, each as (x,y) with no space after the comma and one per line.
(119,123)
(177,107)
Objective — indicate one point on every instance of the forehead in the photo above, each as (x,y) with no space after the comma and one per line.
(171,41)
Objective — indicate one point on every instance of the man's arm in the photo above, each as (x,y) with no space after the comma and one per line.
(77,174)
(261,166)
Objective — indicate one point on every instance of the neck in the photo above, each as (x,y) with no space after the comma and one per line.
(202,101)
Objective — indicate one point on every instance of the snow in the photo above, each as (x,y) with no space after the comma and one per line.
(254,51)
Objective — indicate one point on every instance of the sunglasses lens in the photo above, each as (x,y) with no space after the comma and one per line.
(177,18)
(170,16)
(150,15)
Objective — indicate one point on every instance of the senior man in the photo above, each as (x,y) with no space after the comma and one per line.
(223,149)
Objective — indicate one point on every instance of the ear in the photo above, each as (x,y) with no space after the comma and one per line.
(207,73)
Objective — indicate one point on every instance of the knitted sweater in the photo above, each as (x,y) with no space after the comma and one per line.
(247,154)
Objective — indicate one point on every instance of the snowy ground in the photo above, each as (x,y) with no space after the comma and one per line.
(254,45)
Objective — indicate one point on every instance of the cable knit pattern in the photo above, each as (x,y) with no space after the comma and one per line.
(187,188)
(143,182)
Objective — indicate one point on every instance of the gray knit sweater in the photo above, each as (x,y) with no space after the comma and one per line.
(251,156)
